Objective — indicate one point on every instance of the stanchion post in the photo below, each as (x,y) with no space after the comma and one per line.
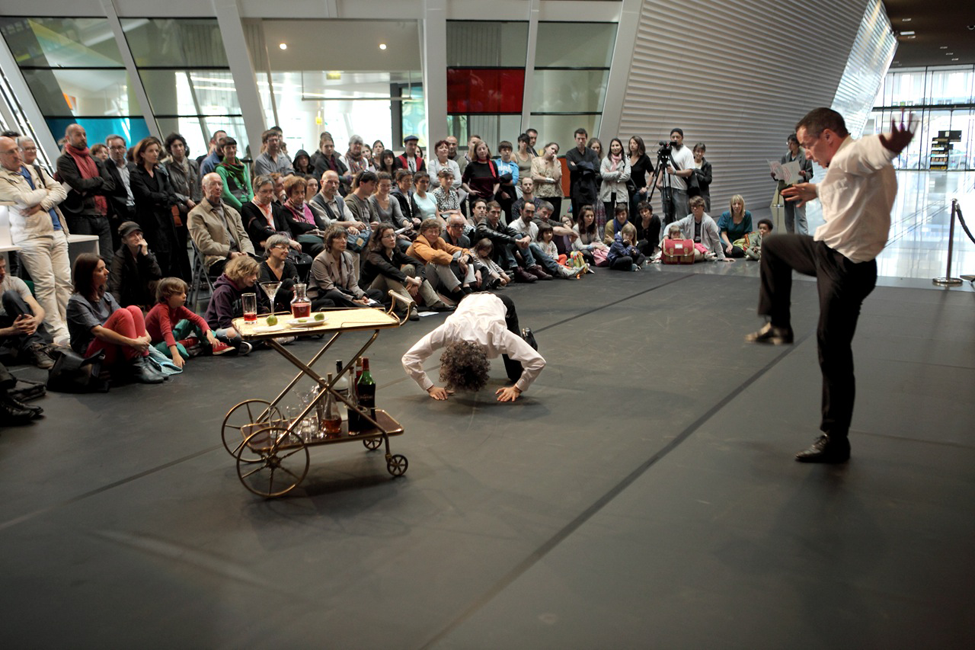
(947,280)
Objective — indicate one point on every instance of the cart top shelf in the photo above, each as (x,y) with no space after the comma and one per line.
(336,320)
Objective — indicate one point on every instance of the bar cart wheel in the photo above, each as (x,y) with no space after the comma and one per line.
(240,420)
(272,461)
(372,443)
(397,464)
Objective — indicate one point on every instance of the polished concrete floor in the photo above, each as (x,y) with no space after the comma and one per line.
(641,494)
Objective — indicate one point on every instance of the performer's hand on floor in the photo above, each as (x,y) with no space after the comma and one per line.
(439,394)
(508,394)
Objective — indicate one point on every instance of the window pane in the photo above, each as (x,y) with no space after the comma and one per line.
(569,91)
(482,43)
(181,42)
(575,45)
(950,86)
(191,92)
(99,128)
(906,88)
(190,129)
(492,129)
(560,129)
(92,93)
(61,42)
(485,91)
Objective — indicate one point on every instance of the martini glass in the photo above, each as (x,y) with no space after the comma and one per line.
(271,290)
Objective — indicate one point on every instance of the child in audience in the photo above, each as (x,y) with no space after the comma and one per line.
(170,323)
(226,303)
(623,254)
(497,277)
(546,236)
(753,245)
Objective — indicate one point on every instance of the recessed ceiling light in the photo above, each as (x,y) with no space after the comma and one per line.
(382,46)
(283,46)
(908,33)
(912,36)
(949,54)
(906,20)
(943,47)
(955,59)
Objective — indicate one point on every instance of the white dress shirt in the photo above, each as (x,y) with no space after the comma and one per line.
(858,194)
(480,319)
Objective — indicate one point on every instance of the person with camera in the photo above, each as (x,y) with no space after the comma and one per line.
(679,163)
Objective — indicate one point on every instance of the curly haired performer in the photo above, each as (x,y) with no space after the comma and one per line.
(483,327)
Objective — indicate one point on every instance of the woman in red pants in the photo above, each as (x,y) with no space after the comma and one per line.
(96,322)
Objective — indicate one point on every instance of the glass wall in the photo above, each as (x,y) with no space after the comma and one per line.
(184,70)
(75,72)
(942,98)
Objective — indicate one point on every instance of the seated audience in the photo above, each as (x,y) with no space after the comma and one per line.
(496,276)
(239,277)
(734,224)
(403,193)
(302,163)
(169,323)
(589,239)
(233,173)
(512,249)
(273,159)
(262,217)
(327,159)
(442,160)
(623,254)
(447,266)
(615,226)
(647,229)
(331,209)
(23,336)
(385,206)
(364,186)
(306,227)
(424,205)
(752,244)
(447,198)
(97,323)
(334,276)
(701,229)
(217,229)
(134,269)
(387,268)
(546,234)
(276,267)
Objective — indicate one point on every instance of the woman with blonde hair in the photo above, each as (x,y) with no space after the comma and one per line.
(734,224)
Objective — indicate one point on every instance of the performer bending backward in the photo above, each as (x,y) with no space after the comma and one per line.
(857,195)
(483,327)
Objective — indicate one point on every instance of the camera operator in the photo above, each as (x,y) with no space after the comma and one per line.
(679,163)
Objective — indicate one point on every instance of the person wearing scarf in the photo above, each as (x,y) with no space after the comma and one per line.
(615,171)
(86,208)
(236,181)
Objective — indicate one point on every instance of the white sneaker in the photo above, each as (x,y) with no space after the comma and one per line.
(245,348)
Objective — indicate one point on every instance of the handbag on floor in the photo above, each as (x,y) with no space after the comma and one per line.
(599,254)
(677,251)
(73,373)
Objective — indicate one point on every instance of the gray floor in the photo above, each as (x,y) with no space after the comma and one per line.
(642,494)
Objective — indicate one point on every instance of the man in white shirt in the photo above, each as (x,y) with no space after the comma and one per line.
(483,327)
(673,184)
(857,195)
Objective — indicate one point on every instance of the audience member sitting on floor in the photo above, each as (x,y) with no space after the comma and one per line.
(424,205)
(589,239)
(169,323)
(330,208)
(135,270)
(544,267)
(403,192)
(387,268)
(334,279)
(23,336)
(13,412)
(262,217)
(217,229)
(546,243)
(483,327)
(306,227)
(623,255)
(276,267)
(734,224)
(447,198)
(233,174)
(752,243)
(384,205)
(512,250)
(615,225)
(564,234)
(239,277)
(496,278)
(448,267)
(96,322)
(647,229)
(701,229)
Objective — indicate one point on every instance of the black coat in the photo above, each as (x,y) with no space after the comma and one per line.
(377,264)
(132,279)
(257,226)
(119,197)
(81,195)
(154,200)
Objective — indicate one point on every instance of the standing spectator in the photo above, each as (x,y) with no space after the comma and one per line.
(615,172)
(326,159)
(100,151)
(272,160)
(546,175)
(673,184)
(155,200)
(377,151)
(699,182)
(481,175)
(387,162)
(508,169)
(97,323)
(217,229)
(532,139)
(583,165)
(795,214)
(302,163)
(641,168)
(135,270)
(524,157)
(39,229)
(85,208)
(184,176)
(410,159)
(354,158)
(236,181)
(209,162)
(121,201)
(734,224)
(23,335)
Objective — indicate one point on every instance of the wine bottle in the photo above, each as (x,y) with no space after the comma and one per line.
(332,420)
(366,390)
(342,388)
(355,420)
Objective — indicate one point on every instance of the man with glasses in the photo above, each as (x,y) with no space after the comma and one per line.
(121,202)
(39,229)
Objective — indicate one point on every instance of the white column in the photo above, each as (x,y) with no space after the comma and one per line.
(22,92)
(242,69)
(135,81)
(619,71)
(526,104)
(434,60)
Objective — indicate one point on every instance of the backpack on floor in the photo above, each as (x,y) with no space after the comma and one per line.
(677,251)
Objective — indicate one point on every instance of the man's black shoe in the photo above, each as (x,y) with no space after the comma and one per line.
(529,337)
(826,450)
(771,334)
(11,415)
(37,356)
(35,411)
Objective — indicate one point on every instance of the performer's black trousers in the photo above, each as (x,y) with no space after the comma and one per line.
(842,286)
(512,368)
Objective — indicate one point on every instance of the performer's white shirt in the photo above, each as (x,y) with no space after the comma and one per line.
(858,194)
(479,318)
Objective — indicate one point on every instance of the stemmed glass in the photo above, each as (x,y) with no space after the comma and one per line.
(271,289)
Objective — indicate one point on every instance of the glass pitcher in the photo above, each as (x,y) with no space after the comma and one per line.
(300,304)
